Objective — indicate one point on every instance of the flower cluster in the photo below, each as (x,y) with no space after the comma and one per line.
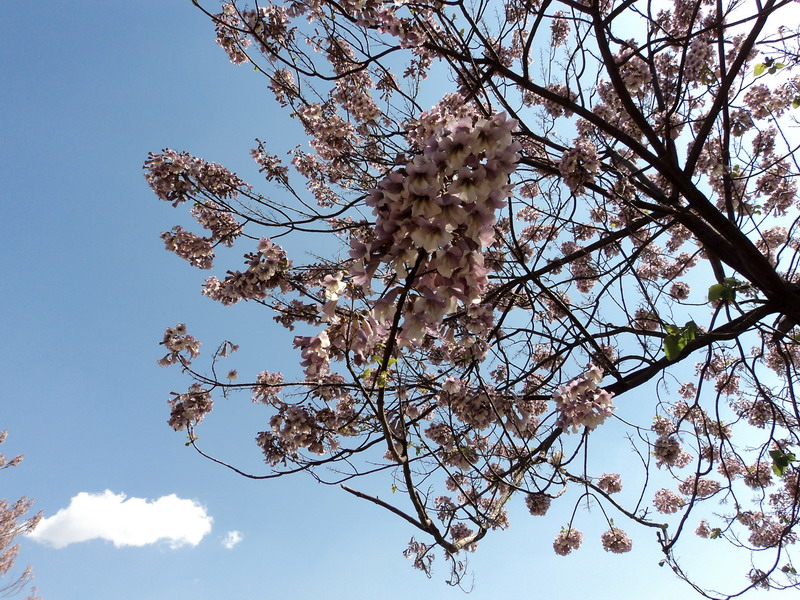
(266,270)
(296,427)
(559,29)
(229,35)
(315,352)
(269,164)
(182,346)
(177,177)
(616,541)
(702,529)
(667,501)
(579,165)
(698,59)
(189,409)
(699,486)
(610,483)
(553,107)
(766,532)
(568,540)
(220,222)
(581,403)
(436,215)
(668,451)
(538,503)
(633,70)
(268,386)
(198,251)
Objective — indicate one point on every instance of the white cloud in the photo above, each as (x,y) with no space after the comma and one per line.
(125,522)
(231,539)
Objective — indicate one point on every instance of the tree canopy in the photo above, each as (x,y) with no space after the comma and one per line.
(548,221)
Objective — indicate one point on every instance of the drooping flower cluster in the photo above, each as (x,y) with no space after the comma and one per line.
(315,351)
(616,541)
(668,451)
(568,540)
(538,503)
(438,214)
(229,35)
(581,403)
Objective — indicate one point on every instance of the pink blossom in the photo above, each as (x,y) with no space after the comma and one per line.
(182,346)
(268,386)
(579,165)
(616,541)
(667,451)
(610,483)
(538,504)
(581,403)
(189,408)
(702,530)
(177,177)
(701,487)
(667,501)
(568,540)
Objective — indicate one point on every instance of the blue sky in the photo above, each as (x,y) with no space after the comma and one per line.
(89,88)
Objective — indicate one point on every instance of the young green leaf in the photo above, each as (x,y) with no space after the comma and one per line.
(781,461)
(677,339)
(725,291)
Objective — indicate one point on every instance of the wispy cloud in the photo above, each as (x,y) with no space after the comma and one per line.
(231,539)
(125,522)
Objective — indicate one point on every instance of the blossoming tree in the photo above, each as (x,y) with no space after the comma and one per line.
(12,524)
(595,229)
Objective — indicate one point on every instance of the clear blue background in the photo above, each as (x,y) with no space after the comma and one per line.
(88,89)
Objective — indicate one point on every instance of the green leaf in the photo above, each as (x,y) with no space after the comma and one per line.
(760,68)
(671,348)
(725,291)
(715,292)
(796,102)
(781,461)
(677,339)
(394,488)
